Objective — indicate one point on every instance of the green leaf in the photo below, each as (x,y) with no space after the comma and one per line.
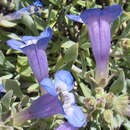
(95,126)
(81,2)
(83,62)
(67,44)
(23,67)
(0,111)
(25,100)
(14,85)
(14,36)
(126,31)
(2,58)
(6,77)
(128,86)
(85,46)
(71,53)
(60,63)
(40,24)
(118,84)
(28,21)
(22,60)
(6,100)
(9,65)
(7,24)
(117,121)
(127,125)
(55,2)
(33,88)
(86,91)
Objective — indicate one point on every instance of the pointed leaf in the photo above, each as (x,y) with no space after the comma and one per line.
(118,84)
(7,24)
(86,91)
(14,85)
(7,99)
(71,53)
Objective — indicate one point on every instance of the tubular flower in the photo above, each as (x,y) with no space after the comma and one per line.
(34,8)
(63,84)
(98,23)
(34,48)
(45,106)
(58,100)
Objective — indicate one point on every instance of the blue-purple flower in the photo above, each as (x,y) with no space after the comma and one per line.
(98,23)
(34,8)
(58,100)
(63,84)
(2,91)
(45,106)
(34,47)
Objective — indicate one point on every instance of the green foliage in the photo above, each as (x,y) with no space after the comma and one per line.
(118,84)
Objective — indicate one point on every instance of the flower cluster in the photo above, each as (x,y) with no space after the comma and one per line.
(108,105)
(59,98)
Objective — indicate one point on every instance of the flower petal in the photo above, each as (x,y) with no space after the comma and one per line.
(110,13)
(104,44)
(76,18)
(37,60)
(69,99)
(65,77)
(90,15)
(75,116)
(26,38)
(2,89)
(18,14)
(45,106)
(47,33)
(48,86)
(44,38)
(15,44)
(66,126)
(38,3)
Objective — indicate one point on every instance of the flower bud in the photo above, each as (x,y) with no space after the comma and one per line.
(90,102)
(108,116)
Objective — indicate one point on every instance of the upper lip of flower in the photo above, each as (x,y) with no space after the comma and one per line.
(113,12)
(34,47)
(45,36)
